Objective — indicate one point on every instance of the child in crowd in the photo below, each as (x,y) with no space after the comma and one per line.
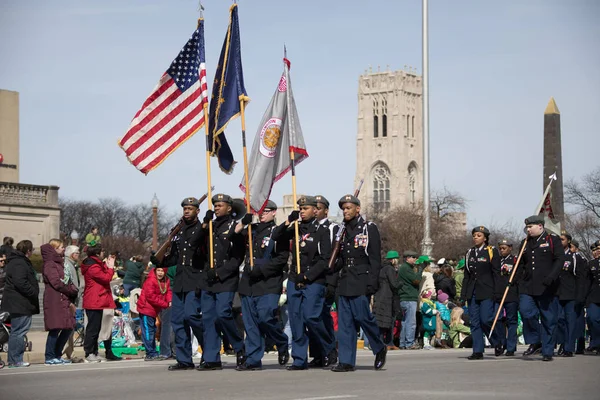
(428,312)
(460,334)
(156,296)
(443,319)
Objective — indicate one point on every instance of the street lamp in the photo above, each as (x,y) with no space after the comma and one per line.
(74,237)
(154,223)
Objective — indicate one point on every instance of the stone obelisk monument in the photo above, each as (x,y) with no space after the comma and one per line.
(553,158)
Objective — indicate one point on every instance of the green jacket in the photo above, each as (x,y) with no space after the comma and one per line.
(454,333)
(171,271)
(459,276)
(133,272)
(410,280)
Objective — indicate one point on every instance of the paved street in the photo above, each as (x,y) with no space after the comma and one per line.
(408,374)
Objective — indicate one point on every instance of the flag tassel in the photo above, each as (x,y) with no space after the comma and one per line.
(245,150)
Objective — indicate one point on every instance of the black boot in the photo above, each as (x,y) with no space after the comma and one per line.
(380,359)
(110,356)
(284,357)
(499,350)
(180,367)
(343,368)
(561,350)
(532,349)
(240,357)
(210,366)
(331,358)
(475,356)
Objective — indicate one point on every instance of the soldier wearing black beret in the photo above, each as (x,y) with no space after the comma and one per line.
(220,285)
(542,261)
(482,271)
(306,289)
(358,265)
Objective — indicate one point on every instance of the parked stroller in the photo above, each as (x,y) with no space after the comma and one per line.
(5,333)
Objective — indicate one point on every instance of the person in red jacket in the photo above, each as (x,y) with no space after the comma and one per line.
(155,297)
(97,296)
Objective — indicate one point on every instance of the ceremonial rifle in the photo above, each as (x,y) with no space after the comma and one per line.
(166,246)
(338,238)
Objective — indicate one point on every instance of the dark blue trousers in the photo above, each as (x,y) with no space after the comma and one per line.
(354,312)
(548,308)
(186,314)
(218,317)
(530,316)
(148,325)
(260,320)
(570,311)
(593,312)
(316,351)
(305,307)
(508,335)
(165,332)
(481,314)
(55,342)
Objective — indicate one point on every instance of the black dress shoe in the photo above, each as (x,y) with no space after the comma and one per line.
(561,350)
(210,366)
(532,349)
(296,368)
(180,367)
(510,354)
(343,368)
(380,359)
(110,356)
(247,367)
(475,356)
(315,363)
(499,350)
(567,354)
(547,358)
(331,358)
(240,357)
(284,357)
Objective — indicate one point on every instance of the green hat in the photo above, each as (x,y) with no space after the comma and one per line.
(423,259)
(92,243)
(461,264)
(392,254)
(534,220)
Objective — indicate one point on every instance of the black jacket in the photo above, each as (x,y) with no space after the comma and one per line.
(228,254)
(21,290)
(445,284)
(332,277)
(270,260)
(188,253)
(359,261)
(507,264)
(592,282)
(542,261)
(481,273)
(387,301)
(571,279)
(315,250)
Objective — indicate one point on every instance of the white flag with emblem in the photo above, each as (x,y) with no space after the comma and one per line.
(270,156)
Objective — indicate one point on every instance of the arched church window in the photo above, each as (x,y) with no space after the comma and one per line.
(412,183)
(381,188)
(375,117)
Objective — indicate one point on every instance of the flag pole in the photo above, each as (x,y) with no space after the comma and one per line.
(243,118)
(292,155)
(512,275)
(208,180)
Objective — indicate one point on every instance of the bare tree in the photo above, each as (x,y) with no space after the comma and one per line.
(585,195)
(445,201)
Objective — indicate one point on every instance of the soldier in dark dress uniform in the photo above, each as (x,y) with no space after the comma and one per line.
(482,270)
(592,298)
(542,261)
(220,285)
(306,290)
(319,359)
(507,334)
(580,325)
(188,253)
(359,264)
(570,282)
(260,288)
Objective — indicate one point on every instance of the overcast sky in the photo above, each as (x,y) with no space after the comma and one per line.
(83,68)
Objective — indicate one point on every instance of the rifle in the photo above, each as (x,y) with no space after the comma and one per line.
(166,246)
(338,238)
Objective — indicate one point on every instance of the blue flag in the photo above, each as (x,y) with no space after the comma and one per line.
(228,90)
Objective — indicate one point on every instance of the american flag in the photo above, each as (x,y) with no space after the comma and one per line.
(173,112)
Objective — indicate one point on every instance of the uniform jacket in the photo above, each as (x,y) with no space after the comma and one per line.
(21,290)
(542,261)
(189,254)
(592,282)
(387,300)
(315,250)
(332,277)
(58,296)
(97,294)
(359,261)
(481,273)
(571,280)
(507,264)
(270,259)
(155,296)
(228,254)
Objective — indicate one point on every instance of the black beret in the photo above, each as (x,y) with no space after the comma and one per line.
(410,253)
(505,242)
(190,201)
(271,205)
(566,234)
(322,200)
(481,229)
(534,220)
(349,199)
(307,201)
(222,198)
